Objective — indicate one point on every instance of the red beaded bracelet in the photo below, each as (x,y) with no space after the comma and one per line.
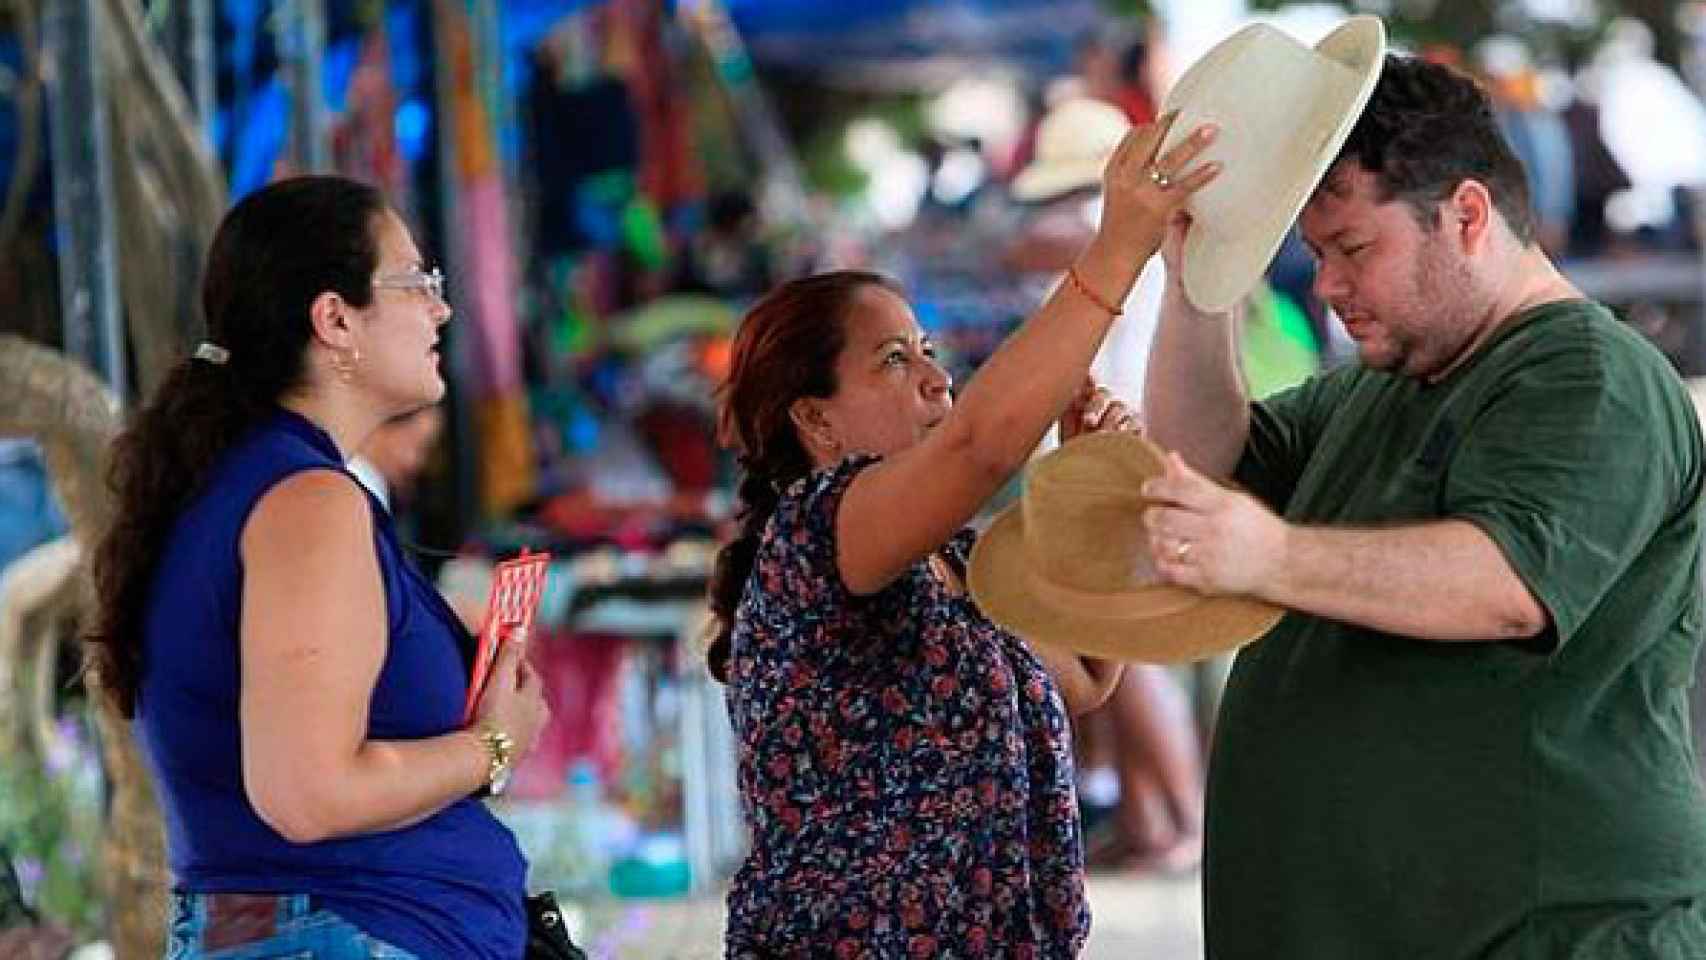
(1089,294)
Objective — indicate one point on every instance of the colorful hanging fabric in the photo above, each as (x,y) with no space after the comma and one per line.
(486,260)
(364,139)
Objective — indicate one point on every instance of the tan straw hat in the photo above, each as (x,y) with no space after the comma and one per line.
(1074,142)
(1284,110)
(1069,564)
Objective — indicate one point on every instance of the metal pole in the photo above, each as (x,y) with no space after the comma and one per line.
(84,223)
(188,39)
(302,31)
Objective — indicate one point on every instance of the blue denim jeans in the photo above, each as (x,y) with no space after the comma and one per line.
(250,926)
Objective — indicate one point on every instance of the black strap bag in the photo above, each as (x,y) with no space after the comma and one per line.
(547,935)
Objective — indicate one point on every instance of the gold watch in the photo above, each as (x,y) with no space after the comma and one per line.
(500,754)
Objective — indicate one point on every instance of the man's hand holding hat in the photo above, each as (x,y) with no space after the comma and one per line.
(1208,537)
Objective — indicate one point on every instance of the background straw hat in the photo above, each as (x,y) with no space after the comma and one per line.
(1069,564)
(1074,141)
(1284,110)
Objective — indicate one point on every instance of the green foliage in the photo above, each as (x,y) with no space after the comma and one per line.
(50,828)
(827,168)
(824,156)
(1136,9)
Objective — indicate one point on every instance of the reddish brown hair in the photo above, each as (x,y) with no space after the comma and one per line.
(786,349)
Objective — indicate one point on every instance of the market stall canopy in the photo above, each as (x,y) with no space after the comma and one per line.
(913,43)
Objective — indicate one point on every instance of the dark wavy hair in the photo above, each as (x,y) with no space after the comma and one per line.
(786,349)
(274,253)
(1426,129)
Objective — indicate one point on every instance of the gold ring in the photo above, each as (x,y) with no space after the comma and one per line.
(1160,179)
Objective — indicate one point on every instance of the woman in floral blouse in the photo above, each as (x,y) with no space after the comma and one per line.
(905,764)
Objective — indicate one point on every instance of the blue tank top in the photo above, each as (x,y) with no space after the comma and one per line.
(449,886)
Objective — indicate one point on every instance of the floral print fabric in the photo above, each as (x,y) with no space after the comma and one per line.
(905,764)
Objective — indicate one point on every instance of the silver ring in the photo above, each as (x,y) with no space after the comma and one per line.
(1159,179)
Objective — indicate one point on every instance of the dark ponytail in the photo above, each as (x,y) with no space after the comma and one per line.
(786,348)
(734,565)
(274,253)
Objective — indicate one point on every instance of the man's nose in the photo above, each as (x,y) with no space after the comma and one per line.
(1330,283)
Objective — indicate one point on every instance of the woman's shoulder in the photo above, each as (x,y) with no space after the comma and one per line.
(808,506)
(797,566)
(308,506)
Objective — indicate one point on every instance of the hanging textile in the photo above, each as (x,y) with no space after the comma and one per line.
(669,173)
(364,139)
(486,269)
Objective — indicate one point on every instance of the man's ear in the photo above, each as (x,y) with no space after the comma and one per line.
(330,317)
(1468,214)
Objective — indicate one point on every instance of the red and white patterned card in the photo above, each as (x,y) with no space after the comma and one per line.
(516,587)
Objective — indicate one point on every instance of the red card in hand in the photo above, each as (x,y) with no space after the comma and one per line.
(516,587)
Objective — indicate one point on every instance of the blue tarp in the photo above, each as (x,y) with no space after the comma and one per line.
(817,16)
(877,38)
(880,38)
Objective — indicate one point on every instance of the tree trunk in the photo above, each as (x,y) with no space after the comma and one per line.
(74,418)
(169,192)
(37,591)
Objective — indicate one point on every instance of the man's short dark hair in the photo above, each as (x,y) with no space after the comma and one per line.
(1426,129)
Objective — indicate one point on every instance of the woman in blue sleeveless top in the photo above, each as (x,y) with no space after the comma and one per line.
(297,686)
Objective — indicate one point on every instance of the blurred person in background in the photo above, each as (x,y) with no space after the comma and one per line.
(1598,177)
(297,686)
(1115,74)
(1140,778)
(1470,736)
(1537,135)
(391,461)
(1655,126)
(905,764)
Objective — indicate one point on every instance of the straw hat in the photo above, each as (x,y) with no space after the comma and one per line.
(1069,564)
(1284,111)
(1074,141)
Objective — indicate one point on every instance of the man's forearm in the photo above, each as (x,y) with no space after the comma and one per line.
(1441,580)
(1194,397)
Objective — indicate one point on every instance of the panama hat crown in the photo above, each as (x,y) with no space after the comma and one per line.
(1069,564)
(1284,111)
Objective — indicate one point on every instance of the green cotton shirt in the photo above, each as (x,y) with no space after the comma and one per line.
(1374,796)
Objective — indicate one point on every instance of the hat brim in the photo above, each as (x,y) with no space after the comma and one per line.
(1048,181)
(1151,624)
(1222,262)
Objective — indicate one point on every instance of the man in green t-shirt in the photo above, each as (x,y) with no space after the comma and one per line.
(1470,736)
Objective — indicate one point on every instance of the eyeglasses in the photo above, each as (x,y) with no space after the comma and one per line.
(424,282)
